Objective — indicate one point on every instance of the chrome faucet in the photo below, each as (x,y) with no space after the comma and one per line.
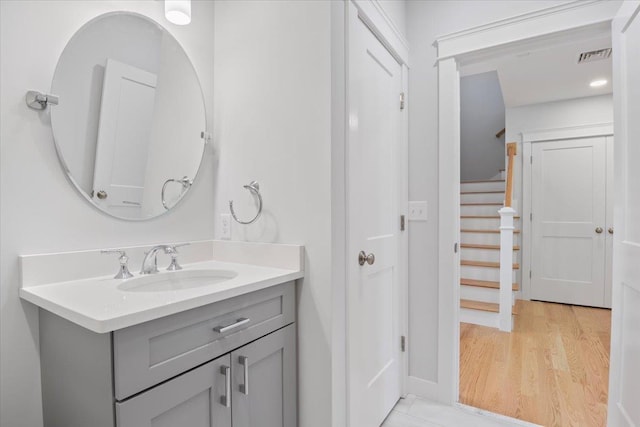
(152,255)
(148,268)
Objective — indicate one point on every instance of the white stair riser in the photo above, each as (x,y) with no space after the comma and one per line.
(492,255)
(483,273)
(482,186)
(503,174)
(479,317)
(485,238)
(477,293)
(491,210)
(482,198)
(484,223)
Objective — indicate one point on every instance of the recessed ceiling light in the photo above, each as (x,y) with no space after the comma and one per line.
(598,83)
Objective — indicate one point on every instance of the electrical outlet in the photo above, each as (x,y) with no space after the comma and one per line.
(418,211)
(225,226)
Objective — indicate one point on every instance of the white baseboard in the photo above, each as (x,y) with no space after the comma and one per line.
(423,388)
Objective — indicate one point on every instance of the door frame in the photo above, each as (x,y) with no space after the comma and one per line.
(526,31)
(528,138)
(381,24)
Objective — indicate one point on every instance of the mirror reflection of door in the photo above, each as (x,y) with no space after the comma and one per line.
(126,119)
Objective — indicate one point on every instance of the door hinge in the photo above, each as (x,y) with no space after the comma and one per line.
(401,222)
(531,216)
(531,159)
(455,248)
(403,343)
(530,274)
(401,101)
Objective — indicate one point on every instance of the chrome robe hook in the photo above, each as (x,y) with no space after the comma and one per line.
(254,187)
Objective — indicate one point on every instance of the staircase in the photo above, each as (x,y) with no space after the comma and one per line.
(480,202)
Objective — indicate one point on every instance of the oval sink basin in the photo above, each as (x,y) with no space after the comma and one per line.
(176,280)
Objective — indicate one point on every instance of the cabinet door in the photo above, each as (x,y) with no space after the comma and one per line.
(264,381)
(199,398)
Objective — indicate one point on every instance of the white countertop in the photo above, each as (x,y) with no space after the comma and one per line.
(98,305)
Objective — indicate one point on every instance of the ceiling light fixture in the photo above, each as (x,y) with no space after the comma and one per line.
(178,11)
(598,83)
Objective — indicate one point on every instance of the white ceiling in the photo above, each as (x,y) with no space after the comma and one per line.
(548,74)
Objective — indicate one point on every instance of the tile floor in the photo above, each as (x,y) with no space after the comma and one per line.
(416,412)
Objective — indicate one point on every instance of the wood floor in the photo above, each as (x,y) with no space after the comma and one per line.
(552,370)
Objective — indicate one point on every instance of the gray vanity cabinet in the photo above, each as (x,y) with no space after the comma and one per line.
(195,399)
(264,381)
(231,363)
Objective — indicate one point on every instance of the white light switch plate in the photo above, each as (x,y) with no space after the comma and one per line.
(225,226)
(418,211)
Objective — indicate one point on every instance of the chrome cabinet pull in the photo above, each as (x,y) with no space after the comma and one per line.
(364,258)
(610,230)
(598,230)
(241,321)
(244,361)
(226,399)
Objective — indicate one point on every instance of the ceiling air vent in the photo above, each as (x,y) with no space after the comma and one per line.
(594,55)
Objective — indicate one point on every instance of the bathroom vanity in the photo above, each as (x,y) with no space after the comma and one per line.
(131,353)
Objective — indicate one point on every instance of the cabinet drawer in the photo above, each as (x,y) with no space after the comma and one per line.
(152,352)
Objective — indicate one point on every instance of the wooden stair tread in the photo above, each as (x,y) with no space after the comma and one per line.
(483,192)
(489,264)
(484,216)
(484,306)
(478,246)
(474,230)
(481,180)
(481,204)
(486,284)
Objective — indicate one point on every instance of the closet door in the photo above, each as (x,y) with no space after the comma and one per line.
(198,398)
(569,227)
(264,381)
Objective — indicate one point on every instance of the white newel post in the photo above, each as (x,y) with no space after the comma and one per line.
(506,266)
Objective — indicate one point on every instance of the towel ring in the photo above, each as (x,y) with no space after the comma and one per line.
(186,183)
(254,187)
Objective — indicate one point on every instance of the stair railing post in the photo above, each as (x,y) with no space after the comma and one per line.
(506,267)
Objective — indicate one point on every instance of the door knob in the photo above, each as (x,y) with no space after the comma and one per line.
(363,257)
(610,230)
(102,194)
(598,230)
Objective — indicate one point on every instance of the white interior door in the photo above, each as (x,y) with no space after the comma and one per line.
(126,116)
(373,328)
(569,236)
(624,385)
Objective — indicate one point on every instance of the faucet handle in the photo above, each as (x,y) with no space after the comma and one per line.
(123,272)
(172,248)
(173,252)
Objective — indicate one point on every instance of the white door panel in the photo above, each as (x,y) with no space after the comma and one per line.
(375,83)
(624,384)
(126,116)
(569,208)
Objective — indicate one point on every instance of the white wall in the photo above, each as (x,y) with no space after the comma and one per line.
(396,10)
(277,64)
(426,20)
(273,125)
(481,117)
(40,211)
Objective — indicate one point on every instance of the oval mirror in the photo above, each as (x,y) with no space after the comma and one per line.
(130,120)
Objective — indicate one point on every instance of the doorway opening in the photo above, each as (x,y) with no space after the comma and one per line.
(550,366)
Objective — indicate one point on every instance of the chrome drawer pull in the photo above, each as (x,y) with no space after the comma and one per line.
(244,361)
(239,322)
(226,399)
